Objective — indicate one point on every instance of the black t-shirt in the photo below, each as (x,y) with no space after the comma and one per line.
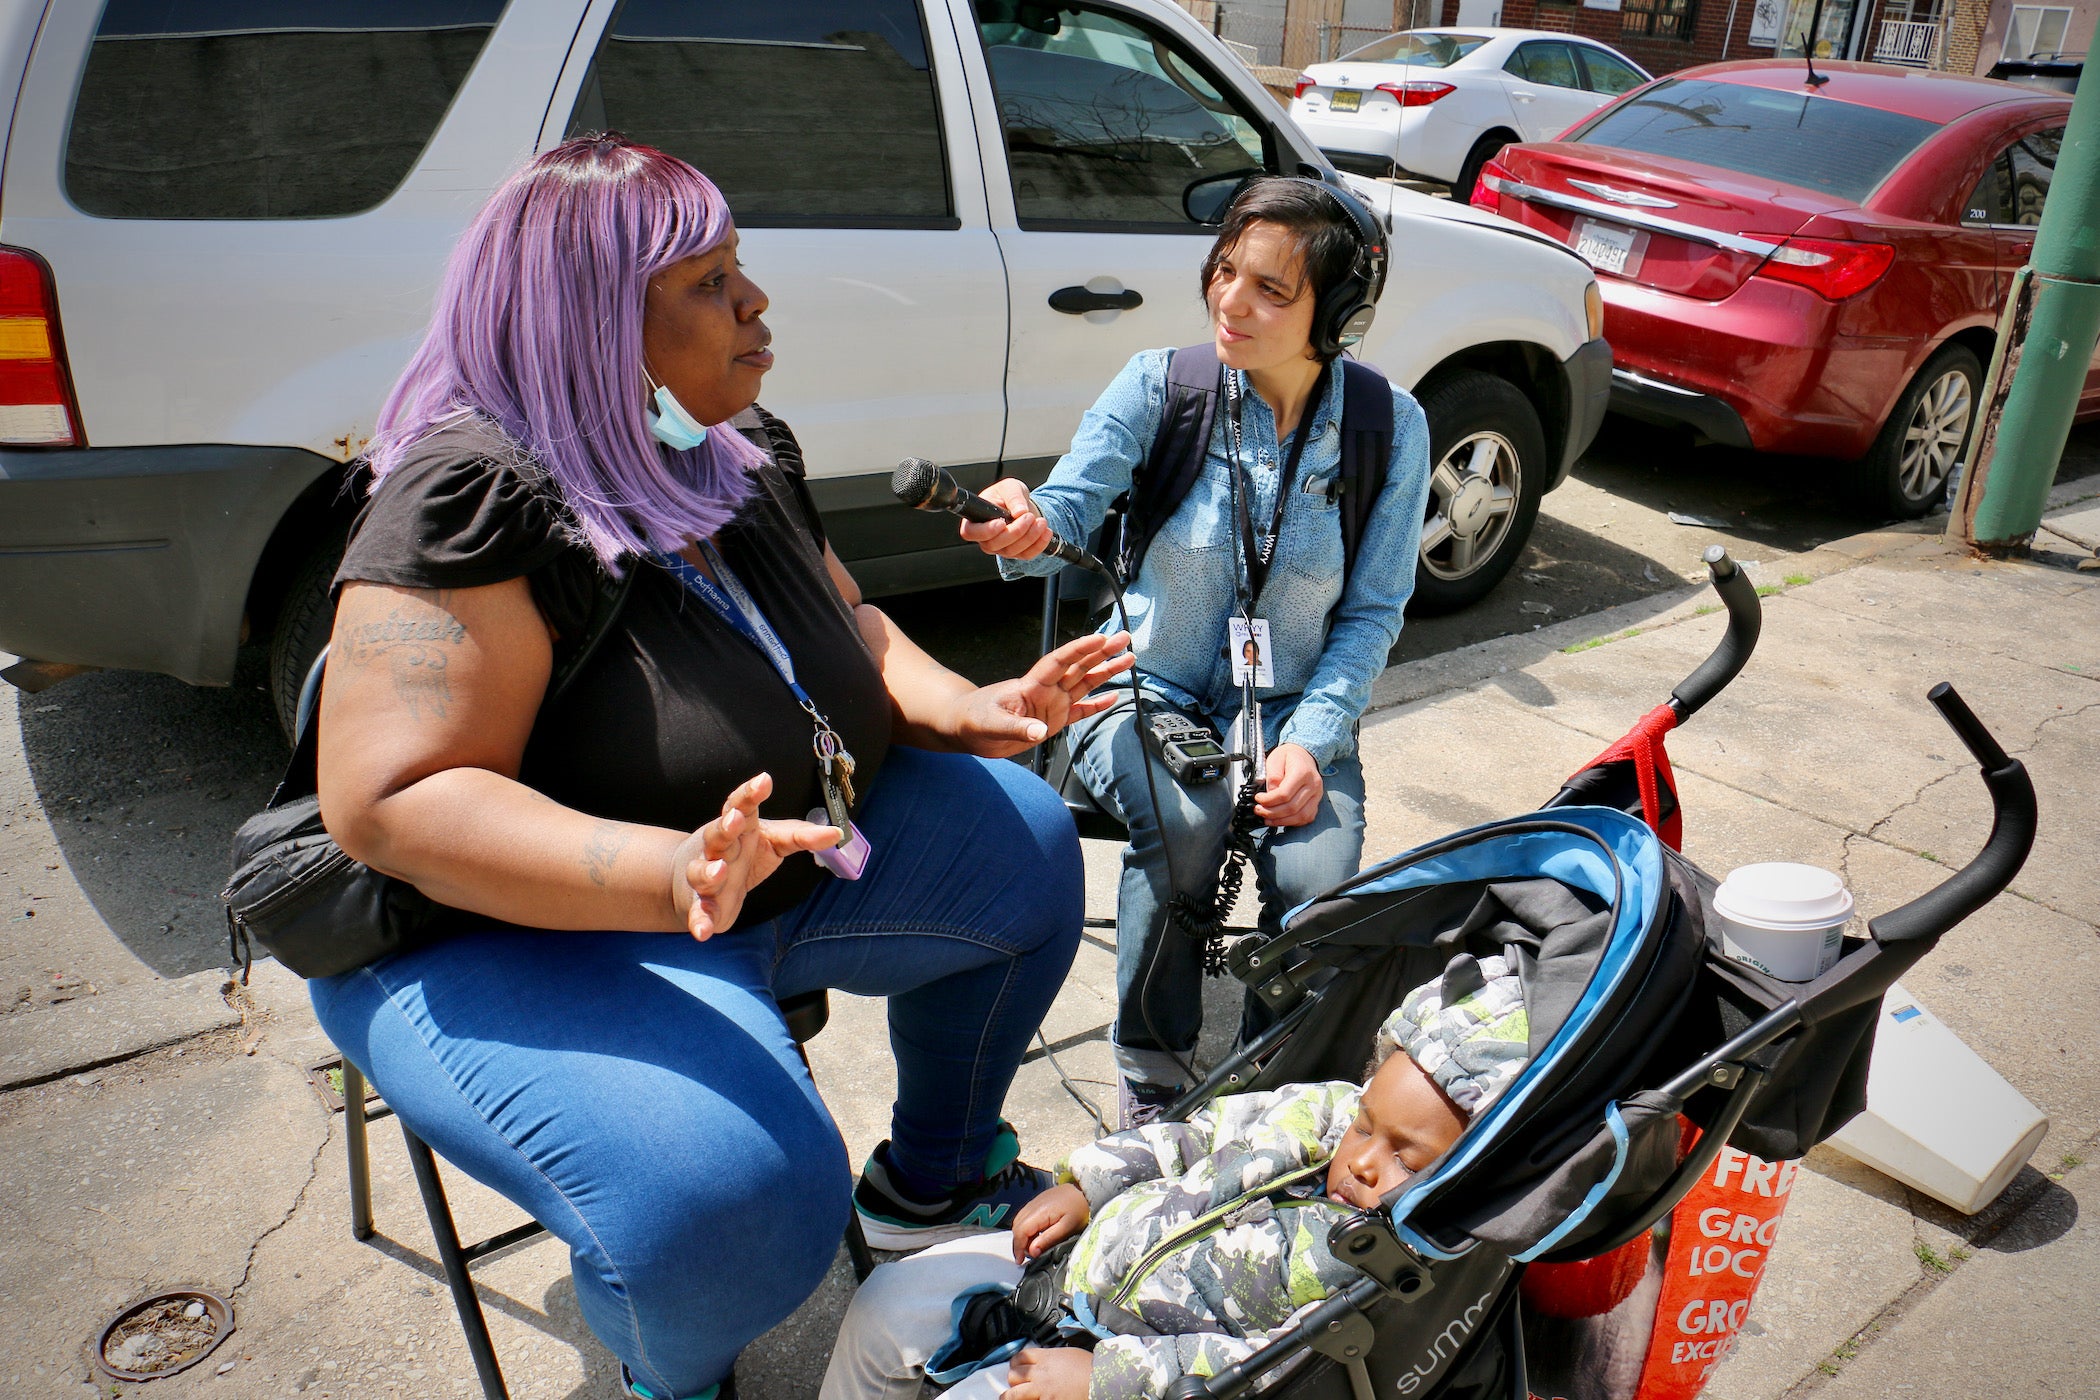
(674,708)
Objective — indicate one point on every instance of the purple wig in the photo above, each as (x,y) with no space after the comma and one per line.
(539,327)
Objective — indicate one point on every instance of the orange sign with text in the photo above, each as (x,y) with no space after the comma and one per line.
(1721,1234)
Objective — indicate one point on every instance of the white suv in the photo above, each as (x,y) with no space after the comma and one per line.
(223,222)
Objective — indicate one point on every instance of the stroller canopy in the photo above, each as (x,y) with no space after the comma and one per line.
(1581,902)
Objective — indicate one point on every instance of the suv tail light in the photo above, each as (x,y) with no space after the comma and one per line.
(37,407)
(1487,188)
(1416,94)
(1305,80)
(1830,269)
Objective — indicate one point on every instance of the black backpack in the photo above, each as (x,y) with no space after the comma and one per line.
(1185,425)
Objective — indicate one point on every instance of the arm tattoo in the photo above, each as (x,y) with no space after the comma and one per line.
(608,839)
(415,641)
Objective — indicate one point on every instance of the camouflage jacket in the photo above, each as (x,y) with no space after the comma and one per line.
(1169,1252)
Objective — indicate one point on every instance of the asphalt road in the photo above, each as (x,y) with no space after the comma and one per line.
(144,779)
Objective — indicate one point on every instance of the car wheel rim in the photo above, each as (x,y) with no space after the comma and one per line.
(1932,440)
(1473,496)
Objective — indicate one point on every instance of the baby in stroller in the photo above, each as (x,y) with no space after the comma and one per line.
(1194,1240)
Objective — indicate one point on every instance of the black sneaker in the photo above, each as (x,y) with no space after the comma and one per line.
(890,1219)
(1139,1104)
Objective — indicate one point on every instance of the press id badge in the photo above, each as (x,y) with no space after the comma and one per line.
(1249,643)
(847,859)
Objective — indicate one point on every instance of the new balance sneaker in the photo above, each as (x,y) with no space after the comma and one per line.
(892,1218)
(1139,1104)
(724,1389)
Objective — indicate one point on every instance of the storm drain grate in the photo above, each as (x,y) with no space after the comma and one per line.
(162,1334)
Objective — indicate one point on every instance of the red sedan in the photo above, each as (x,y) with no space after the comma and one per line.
(1802,268)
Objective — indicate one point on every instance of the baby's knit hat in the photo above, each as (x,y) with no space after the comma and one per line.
(1475,1046)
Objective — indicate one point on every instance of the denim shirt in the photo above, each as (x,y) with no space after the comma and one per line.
(1324,657)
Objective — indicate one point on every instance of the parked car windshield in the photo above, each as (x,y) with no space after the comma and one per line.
(1816,142)
(1422,50)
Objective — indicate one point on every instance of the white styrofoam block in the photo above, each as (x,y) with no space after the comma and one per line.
(1938,1118)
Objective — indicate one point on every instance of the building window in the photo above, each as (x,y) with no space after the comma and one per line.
(1659,19)
(2035,31)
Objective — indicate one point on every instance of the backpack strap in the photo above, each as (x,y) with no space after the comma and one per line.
(1176,459)
(1367,451)
(1191,414)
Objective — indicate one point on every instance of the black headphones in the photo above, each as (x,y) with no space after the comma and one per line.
(1344,311)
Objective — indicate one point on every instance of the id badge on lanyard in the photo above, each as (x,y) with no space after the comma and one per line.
(1247,637)
(727,597)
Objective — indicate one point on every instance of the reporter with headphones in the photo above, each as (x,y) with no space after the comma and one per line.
(1251,551)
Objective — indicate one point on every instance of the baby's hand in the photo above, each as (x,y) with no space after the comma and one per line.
(1057,1214)
(1055,1373)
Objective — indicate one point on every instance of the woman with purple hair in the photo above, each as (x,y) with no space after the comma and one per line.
(583,409)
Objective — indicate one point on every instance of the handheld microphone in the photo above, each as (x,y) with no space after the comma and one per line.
(923,486)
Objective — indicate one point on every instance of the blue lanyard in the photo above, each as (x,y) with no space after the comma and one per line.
(726,595)
(733,603)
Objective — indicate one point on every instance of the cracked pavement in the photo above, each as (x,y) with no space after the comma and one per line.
(213,1162)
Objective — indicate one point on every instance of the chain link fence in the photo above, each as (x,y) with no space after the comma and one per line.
(1269,34)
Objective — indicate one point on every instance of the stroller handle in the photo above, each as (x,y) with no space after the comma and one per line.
(1745,620)
(2012,836)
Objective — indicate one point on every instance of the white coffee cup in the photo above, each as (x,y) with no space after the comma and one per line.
(1785,920)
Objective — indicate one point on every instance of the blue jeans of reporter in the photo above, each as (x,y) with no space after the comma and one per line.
(639,1094)
(1159,973)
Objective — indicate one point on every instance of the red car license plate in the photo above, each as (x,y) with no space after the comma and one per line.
(1608,247)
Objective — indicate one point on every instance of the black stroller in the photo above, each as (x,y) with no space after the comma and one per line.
(1635,1018)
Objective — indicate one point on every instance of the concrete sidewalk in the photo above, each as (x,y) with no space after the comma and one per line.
(163,1133)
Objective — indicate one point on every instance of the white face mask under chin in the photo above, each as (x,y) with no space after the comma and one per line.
(671,425)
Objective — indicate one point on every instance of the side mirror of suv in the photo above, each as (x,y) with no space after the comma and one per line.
(1205,201)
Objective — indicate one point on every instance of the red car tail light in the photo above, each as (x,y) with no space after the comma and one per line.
(1830,269)
(1416,94)
(1305,80)
(1487,189)
(37,407)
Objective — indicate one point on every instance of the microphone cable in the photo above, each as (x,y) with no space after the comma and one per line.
(1181,911)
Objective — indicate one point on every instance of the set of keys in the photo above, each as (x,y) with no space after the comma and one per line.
(835,768)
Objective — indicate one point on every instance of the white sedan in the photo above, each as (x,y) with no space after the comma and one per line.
(1437,103)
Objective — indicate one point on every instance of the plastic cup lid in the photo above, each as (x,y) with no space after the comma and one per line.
(1783,895)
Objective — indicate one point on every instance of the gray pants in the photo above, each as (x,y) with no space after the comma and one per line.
(903,1313)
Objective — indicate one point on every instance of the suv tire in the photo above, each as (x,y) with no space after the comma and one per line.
(1487,456)
(1905,472)
(304,621)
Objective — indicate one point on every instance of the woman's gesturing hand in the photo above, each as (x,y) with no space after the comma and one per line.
(725,860)
(1292,796)
(1004,718)
(1023,537)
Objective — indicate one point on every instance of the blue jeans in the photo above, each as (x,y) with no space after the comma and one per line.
(639,1095)
(1159,973)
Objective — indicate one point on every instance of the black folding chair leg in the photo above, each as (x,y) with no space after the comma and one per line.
(464,1298)
(857,1249)
(360,1154)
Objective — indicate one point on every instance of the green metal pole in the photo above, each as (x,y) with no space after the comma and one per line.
(2045,342)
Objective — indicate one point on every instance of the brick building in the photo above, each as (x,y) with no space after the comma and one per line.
(1962,36)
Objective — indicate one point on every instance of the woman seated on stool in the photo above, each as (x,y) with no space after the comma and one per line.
(633,861)
(1242,604)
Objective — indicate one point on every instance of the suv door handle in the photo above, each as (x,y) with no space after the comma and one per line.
(1077,301)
